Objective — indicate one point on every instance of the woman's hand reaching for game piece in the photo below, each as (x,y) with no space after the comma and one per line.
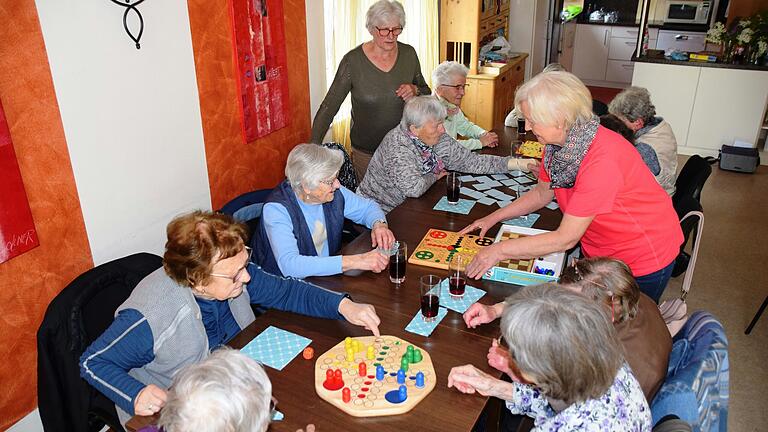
(360,314)
(479,313)
(486,258)
(483,224)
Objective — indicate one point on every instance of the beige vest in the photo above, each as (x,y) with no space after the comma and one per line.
(662,140)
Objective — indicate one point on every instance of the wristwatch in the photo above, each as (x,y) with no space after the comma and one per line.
(384,221)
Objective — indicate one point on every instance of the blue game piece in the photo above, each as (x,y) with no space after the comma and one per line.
(420,380)
(380,372)
(403,393)
(400,377)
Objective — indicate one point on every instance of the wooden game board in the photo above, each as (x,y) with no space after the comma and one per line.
(367,393)
(438,247)
(515,264)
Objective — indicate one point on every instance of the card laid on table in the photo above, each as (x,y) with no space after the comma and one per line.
(522,221)
(421,327)
(483,179)
(503,203)
(471,193)
(492,183)
(460,305)
(464,206)
(482,186)
(552,206)
(467,178)
(499,176)
(515,173)
(275,347)
(487,201)
(510,183)
(501,196)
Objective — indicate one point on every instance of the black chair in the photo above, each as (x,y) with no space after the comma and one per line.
(599,108)
(687,198)
(75,318)
(247,208)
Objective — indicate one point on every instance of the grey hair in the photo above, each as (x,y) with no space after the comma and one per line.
(383,11)
(554,67)
(563,341)
(633,103)
(308,164)
(422,109)
(445,70)
(228,391)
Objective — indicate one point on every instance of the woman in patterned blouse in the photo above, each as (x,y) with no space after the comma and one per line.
(570,373)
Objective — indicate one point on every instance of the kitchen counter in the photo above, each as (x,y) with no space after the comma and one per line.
(653,24)
(669,61)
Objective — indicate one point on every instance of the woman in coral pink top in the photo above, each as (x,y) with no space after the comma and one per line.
(611,202)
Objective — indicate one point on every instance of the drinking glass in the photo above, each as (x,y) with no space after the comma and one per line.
(398,257)
(453,186)
(430,297)
(457,280)
(521,125)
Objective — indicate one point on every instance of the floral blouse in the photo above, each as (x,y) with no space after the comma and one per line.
(622,408)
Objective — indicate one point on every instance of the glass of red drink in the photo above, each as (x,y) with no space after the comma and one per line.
(453,187)
(457,280)
(398,257)
(430,297)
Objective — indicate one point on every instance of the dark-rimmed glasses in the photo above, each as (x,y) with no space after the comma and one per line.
(456,87)
(384,32)
(236,278)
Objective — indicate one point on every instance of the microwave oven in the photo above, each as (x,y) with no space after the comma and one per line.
(687,11)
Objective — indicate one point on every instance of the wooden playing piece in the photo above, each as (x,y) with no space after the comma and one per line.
(438,247)
(367,394)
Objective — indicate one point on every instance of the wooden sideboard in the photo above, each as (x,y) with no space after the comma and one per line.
(489,98)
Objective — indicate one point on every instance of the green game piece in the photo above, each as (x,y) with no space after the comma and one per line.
(379,359)
(385,347)
(383,353)
(376,364)
(417,356)
(397,342)
(404,365)
(409,353)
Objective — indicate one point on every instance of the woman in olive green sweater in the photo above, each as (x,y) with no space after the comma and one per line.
(381,74)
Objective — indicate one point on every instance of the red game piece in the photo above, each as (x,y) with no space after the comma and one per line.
(361,369)
(333,380)
(345,395)
(308,353)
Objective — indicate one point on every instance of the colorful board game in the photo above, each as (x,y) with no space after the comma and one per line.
(525,271)
(438,247)
(374,376)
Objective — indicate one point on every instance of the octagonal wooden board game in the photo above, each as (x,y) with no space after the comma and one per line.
(438,247)
(375,392)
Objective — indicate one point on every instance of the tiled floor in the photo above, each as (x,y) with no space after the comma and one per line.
(730,281)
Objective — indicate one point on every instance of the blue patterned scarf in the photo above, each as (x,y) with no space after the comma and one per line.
(563,163)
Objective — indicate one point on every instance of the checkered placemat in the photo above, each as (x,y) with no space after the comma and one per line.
(460,305)
(464,206)
(275,347)
(420,327)
(521,221)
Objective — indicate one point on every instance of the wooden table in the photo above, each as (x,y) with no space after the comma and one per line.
(451,344)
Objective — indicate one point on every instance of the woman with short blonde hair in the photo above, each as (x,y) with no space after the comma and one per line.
(611,203)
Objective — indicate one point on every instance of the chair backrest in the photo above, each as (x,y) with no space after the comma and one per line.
(696,220)
(689,185)
(247,208)
(74,319)
(347,176)
(696,386)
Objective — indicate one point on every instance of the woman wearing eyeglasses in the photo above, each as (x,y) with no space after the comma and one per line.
(450,80)
(381,75)
(198,301)
(301,224)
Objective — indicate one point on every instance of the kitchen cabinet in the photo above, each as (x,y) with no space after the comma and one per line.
(603,54)
(590,51)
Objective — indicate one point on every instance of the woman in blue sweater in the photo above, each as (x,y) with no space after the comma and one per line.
(199,300)
(302,220)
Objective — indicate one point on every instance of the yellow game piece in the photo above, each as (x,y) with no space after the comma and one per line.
(350,355)
(371,353)
(347,341)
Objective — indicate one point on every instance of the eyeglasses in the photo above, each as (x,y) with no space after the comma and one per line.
(236,278)
(330,182)
(384,32)
(456,87)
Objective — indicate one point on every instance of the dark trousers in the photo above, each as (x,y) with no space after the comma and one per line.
(653,284)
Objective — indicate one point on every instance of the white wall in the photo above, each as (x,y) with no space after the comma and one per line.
(131,119)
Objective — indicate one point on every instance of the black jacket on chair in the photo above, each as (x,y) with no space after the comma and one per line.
(73,320)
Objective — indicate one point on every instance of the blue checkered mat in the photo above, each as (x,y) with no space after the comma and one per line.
(521,221)
(460,305)
(275,347)
(464,206)
(420,327)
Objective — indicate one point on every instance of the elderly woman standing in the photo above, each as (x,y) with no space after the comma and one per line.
(590,388)
(633,106)
(611,203)
(302,220)
(416,153)
(450,81)
(198,301)
(381,74)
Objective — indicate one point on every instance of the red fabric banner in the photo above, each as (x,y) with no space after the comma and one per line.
(17,229)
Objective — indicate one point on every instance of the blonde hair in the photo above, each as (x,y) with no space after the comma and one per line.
(555,99)
(608,281)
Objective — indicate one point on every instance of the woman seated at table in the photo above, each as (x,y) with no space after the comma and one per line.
(302,220)
(450,80)
(633,106)
(570,368)
(198,301)
(418,152)
(647,152)
(610,201)
(640,328)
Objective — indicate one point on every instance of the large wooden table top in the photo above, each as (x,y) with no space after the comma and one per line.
(451,344)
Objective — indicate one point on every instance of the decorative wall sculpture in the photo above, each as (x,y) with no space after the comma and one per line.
(262,65)
(17,229)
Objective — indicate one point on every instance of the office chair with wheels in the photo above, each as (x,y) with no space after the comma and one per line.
(74,319)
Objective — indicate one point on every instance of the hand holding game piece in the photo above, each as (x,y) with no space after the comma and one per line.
(382,236)
(479,313)
(489,139)
(484,259)
(149,400)
(483,224)
(360,314)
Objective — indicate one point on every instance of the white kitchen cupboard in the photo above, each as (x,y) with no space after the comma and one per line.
(590,51)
